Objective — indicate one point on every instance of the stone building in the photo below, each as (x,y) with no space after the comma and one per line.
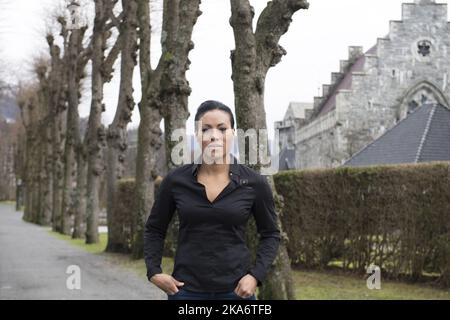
(373,90)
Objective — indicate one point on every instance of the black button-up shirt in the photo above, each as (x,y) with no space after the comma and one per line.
(212,255)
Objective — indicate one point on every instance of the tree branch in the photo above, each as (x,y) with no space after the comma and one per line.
(114,21)
(189,12)
(170,23)
(242,14)
(108,63)
(273,22)
(144,41)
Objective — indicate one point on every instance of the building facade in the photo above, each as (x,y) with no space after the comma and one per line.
(373,90)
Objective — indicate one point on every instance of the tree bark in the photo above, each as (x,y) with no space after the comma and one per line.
(117,130)
(32,113)
(75,69)
(57,96)
(176,90)
(79,228)
(164,94)
(96,134)
(47,180)
(148,133)
(254,54)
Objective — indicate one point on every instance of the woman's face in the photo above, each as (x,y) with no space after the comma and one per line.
(215,135)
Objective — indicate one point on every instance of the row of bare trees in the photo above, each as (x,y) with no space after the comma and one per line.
(62,168)
(8,145)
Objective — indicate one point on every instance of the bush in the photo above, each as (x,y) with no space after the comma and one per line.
(123,218)
(396,217)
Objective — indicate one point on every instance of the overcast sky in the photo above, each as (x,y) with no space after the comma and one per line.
(317,39)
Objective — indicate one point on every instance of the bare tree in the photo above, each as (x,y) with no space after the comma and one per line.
(164,94)
(41,69)
(117,130)
(32,114)
(255,53)
(57,100)
(74,150)
(79,204)
(95,139)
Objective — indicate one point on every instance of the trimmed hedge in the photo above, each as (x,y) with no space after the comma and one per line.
(123,217)
(396,217)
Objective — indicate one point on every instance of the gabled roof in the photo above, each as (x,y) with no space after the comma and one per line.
(424,135)
(296,110)
(345,83)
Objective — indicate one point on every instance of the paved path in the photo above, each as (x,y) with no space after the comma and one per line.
(33,265)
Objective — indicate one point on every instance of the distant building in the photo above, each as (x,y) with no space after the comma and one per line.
(374,90)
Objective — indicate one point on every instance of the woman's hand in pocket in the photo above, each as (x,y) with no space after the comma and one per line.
(166,282)
(246,286)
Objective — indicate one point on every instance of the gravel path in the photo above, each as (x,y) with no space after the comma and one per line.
(33,265)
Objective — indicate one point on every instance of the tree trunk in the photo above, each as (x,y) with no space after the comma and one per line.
(75,68)
(69,167)
(117,131)
(164,94)
(34,207)
(79,228)
(148,137)
(175,91)
(96,134)
(57,95)
(69,153)
(47,169)
(41,173)
(47,179)
(254,54)
(19,168)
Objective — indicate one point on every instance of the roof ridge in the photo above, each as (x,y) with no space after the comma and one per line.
(425,133)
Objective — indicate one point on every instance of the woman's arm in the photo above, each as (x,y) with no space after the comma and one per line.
(269,234)
(156,227)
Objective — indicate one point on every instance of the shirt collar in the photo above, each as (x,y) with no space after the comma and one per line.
(234,166)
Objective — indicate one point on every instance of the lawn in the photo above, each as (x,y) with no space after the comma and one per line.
(337,286)
(310,285)
(92,248)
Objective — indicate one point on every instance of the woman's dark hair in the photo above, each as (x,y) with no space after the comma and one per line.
(213,105)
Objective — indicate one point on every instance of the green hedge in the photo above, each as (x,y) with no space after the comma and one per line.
(123,216)
(396,217)
(121,233)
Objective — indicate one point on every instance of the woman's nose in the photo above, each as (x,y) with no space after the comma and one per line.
(215,135)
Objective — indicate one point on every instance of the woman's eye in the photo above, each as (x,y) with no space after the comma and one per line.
(204,130)
(223,129)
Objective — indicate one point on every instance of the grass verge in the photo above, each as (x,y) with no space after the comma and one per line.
(310,285)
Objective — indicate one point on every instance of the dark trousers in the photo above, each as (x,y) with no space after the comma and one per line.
(184,294)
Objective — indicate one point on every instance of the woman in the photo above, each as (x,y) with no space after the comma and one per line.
(214,198)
